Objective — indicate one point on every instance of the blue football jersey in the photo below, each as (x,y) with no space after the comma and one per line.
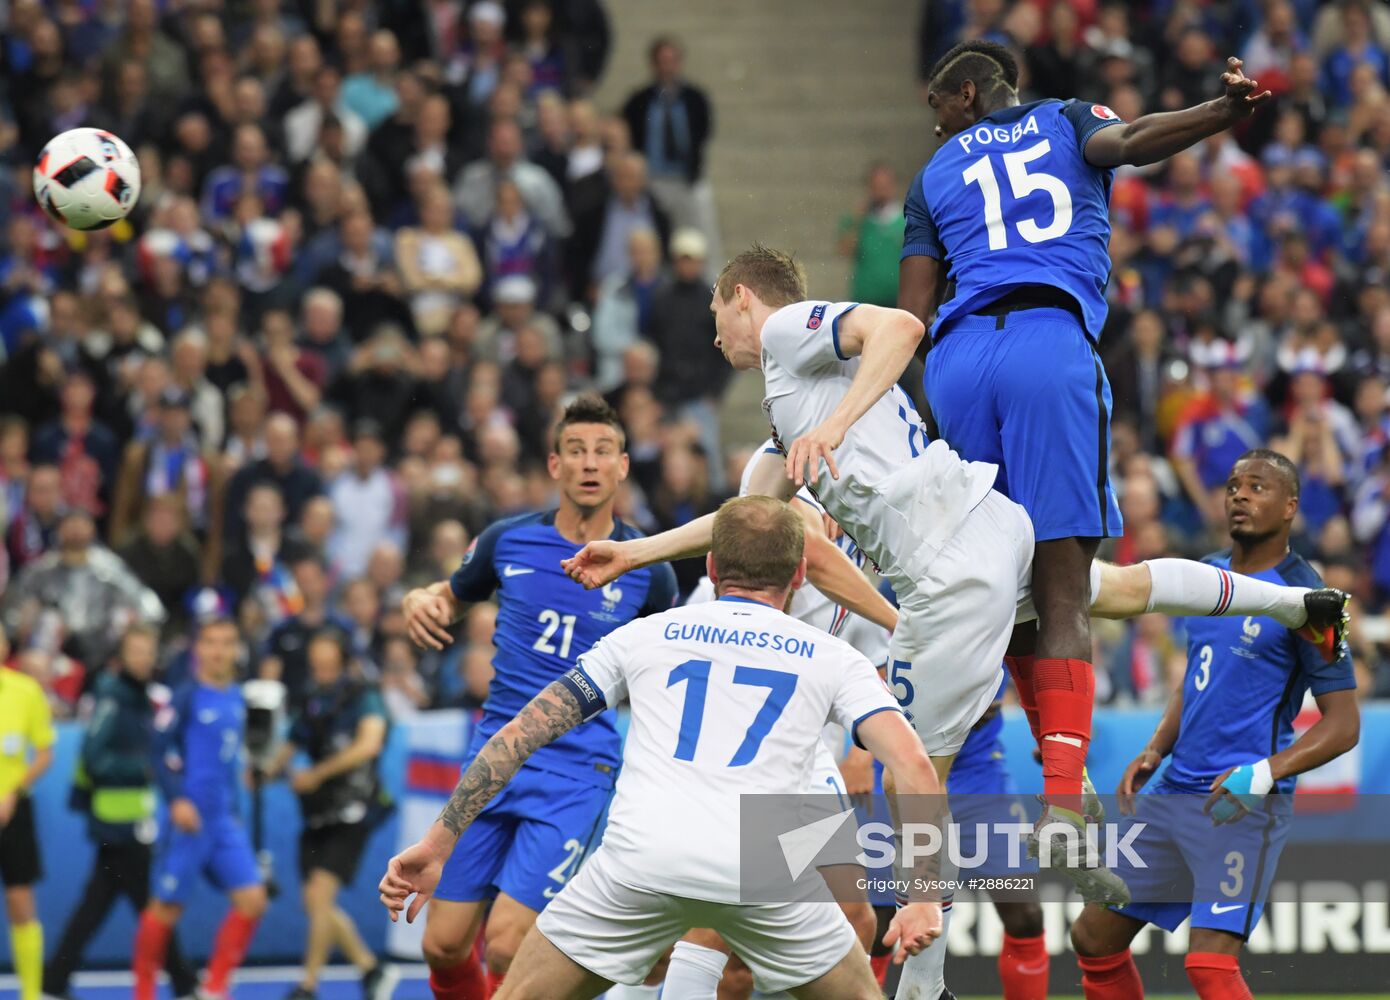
(198,739)
(1012,201)
(1245,682)
(544,621)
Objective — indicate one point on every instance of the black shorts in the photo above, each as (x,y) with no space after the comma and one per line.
(19,847)
(336,849)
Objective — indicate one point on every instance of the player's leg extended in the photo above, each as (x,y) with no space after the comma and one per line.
(544,972)
(232,867)
(1101,938)
(152,936)
(508,923)
(851,979)
(451,928)
(1186,587)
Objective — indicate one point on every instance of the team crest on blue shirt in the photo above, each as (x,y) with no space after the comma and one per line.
(1104,113)
(817,314)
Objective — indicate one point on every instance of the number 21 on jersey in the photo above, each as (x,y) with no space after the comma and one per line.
(694,674)
(1023,183)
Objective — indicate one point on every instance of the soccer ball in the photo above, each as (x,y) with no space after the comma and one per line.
(87,178)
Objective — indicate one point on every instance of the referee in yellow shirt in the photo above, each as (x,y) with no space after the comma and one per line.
(26,750)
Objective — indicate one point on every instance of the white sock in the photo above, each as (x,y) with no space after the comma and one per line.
(693,973)
(924,974)
(621,992)
(1185,587)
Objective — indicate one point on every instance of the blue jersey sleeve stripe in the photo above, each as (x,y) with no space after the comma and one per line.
(923,248)
(589,695)
(835,329)
(854,729)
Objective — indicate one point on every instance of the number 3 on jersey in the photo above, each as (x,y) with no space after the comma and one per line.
(1023,183)
(553,620)
(694,674)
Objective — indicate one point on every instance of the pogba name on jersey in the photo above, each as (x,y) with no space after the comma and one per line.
(987,135)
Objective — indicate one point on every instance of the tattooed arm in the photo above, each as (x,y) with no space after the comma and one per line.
(551,714)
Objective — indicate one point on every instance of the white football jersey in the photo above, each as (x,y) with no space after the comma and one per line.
(899,497)
(728,699)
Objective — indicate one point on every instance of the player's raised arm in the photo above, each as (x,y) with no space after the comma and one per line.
(884,340)
(548,716)
(837,577)
(1158,136)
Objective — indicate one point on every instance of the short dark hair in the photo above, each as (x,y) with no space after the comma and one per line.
(588,409)
(990,65)
(1287,470)
(757,543)
(661,42)
(775,277)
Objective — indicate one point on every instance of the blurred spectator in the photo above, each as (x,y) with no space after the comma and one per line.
(282,467)
(294,378)
(368,503)
(78,597)
(476,190)
(691,379)
(514,309)
(305,123)
(622,313)
(378,384)
(188,362)
(513,242)
(166,558)
(370,94)
(33,526)
(872,238)
(599,248)
(1356,47)
(682,495)
(256,563)
(82,447)
(285,656)
(368,291)
(670,122)
(438,264)
(250,172)
(171,464)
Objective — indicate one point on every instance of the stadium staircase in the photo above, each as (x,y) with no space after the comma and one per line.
(805,93)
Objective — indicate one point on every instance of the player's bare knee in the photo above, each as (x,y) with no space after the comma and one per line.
(443,952)
(1022,919)
(737,981)
(1094,934)
(502,944)
(19,905)
(251,902)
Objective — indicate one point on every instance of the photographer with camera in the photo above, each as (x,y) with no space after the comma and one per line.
(341,728)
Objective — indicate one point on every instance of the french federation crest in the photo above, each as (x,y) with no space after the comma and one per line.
(612,597)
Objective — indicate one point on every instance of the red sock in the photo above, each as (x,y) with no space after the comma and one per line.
(465,981)
(1216,977)
(151,942)
(1111,977)
(1023,968)
(494,981)
(1021,670)
(881,964)
(1065,690)
(228,949)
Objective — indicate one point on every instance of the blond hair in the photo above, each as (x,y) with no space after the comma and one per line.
(773,276)
(757,543)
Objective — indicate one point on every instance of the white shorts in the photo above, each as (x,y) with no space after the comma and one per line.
(619,931)
(954,627)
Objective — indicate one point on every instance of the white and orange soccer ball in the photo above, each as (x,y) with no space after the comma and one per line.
(87,178)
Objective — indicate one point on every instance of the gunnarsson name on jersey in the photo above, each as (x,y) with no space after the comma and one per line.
(740,637)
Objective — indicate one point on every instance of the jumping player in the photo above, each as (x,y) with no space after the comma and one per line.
(1228,734)
(1012,211)
(728,699)
(957,553)
(198,763)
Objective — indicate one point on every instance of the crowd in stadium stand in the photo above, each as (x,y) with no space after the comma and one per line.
(380,243)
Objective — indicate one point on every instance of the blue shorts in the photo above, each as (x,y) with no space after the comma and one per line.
(1030,396)
(527,842)
(989,796)
(221,850)
(1216,876)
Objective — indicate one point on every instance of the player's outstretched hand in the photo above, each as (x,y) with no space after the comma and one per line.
(427,619)
(597,563)
(808,451)
(913,929)
(1242,93)
(1140,770)
(416,871)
